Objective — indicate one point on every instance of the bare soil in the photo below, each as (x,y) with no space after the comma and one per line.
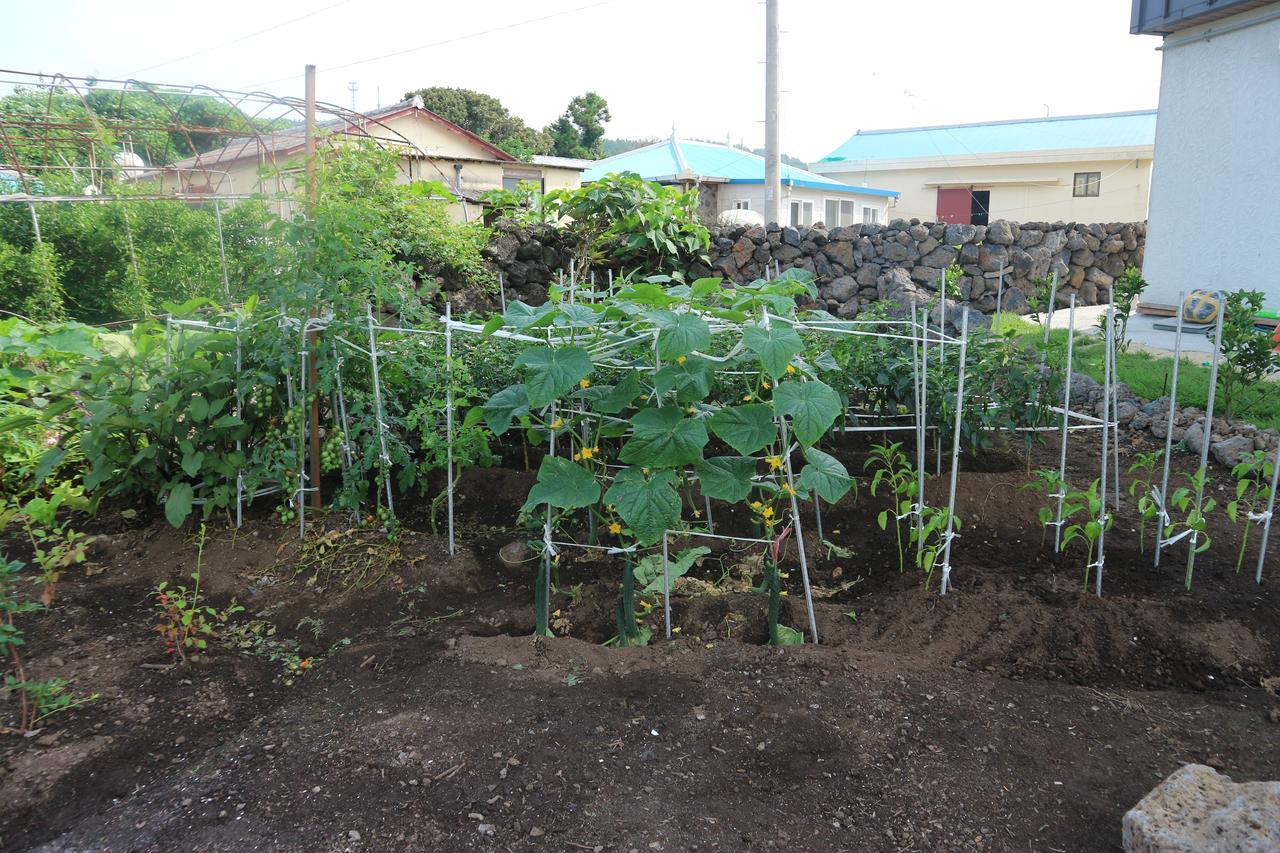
(1019,712)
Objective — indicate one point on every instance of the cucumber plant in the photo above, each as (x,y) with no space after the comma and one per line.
(638,389)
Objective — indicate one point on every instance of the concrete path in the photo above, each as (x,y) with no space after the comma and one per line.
(1142,332)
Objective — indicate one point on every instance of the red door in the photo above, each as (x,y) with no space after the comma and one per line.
(955,206)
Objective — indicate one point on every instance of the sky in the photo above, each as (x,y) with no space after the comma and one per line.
(695,65)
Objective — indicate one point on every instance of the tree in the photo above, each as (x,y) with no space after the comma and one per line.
(579,132)
(486,117)
(1247,357)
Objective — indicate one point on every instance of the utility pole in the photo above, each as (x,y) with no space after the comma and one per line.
(313,374)
(772,153)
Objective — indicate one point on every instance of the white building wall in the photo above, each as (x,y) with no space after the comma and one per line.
(729,194)
(1215,189)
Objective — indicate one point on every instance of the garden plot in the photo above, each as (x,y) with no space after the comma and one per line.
(612,544)
(995,717)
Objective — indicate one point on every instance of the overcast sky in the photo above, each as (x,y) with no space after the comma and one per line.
(697,64)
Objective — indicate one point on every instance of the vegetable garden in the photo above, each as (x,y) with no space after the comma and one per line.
(354,518)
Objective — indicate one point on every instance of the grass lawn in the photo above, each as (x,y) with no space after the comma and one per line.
(1149,375)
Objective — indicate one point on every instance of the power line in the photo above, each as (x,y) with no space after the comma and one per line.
(457,39)
(254,34)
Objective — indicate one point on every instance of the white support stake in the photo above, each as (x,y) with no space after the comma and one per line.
(955,456)
(999,296)
(239,441)
(1168,436)
(1048,309)
(222,250)
(448,414)
(1271,511)
(795,520)
(922,441)
(1106,432)
(1208,425)
(666,586)
(1066,417)
(377,406)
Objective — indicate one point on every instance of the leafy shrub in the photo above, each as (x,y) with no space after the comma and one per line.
(30,283)
(629,222)
(1247,354)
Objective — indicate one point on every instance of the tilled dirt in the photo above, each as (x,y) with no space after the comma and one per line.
(1019,712)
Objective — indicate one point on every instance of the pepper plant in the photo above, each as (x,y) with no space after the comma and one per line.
(1253,490)
(1194,508)
(1142,488)
(894,471)
(1090,529)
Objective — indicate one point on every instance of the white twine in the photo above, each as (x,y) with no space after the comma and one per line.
(1183,535)
(914,510)
(1260,517)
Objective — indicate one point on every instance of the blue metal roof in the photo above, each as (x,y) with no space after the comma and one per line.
(1111,130)
(682,159)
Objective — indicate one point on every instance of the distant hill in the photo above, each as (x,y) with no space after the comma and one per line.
(618,146)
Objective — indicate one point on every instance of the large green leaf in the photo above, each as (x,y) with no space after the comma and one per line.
(775,346)
(690,380)
(521,316)
(612,399)
(726,478)
(178,505)
(812,407)
(552,372)
(198,408)
(664,438)
(562,484)
(745,428)
(824,474)
(502,408)
(648,571)
(648,504)
(679,334)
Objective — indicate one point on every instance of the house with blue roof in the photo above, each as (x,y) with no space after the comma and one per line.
(1085,168)
(729,178)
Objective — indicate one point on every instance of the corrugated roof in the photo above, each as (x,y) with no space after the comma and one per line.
(683,159)
(1109,130)
(292,139)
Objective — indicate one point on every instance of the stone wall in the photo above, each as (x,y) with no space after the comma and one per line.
(859,264)
(529,258)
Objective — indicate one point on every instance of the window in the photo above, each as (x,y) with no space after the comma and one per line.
(870,214)
(513,178)
(1086,184)
(838,212)
(801,213)
(979,207)
(742,204)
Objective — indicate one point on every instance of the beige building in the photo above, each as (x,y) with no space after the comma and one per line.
(730,178)
(432,149)
(1094,168)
